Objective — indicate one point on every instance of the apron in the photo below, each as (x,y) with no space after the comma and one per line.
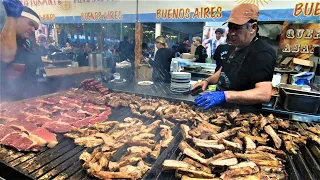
(230,78)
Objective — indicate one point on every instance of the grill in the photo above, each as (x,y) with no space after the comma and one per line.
(62,161)
(303,166)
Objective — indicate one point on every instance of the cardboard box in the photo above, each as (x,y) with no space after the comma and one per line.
(303,62)
(187,56)
(286,61)
(301,65)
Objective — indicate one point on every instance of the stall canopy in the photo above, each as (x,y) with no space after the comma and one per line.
(97,11)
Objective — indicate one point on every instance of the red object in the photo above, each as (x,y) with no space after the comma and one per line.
(39,120)
(89,111)
(58,127)
(20,141)
(83,122)
(5,130)
(93,106)
(73,114)
(22,125)
(48,137)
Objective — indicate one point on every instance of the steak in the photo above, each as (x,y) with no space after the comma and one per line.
(89,111)
(58,127)
(5,130)
(22,125)
(83,122)
(43,135)
(73,114)
(20,141)
(65,119)
(38,120)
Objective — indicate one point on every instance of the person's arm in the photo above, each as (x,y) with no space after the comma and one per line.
(8,42)
(261,76)
(260,94)
(210,80)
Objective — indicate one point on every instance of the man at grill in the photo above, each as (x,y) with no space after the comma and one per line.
(22,70)
(244,67)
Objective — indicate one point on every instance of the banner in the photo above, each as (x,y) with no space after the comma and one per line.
(97,11)
(219,10)
(83,11)
(299,39)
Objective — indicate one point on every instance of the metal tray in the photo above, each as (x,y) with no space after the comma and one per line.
(298,89)
(293,101)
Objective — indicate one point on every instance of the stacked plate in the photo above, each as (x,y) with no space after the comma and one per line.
(180,82)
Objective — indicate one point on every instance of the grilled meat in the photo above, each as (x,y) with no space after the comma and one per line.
(244,171)
(226,158)
(185,131)
(311,136)
(212,147)
(226,133)
(263,122)
(139,150)
(89,141)
(278,153)
(167,137)
(167,122)
(261,140)
(197,165)
(113,166)
(189,151)
(221,120)
(256,155)
(243,164)
(250,145)
(197,140)
(314,130)
(184,177)
(156,152)
(174,164)
(194,173)
(237,140)
(277,141)
(270,169)
(112,175)
(231,145)
(290,146)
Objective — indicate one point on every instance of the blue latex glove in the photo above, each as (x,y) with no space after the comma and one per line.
(13,8)
(211,99)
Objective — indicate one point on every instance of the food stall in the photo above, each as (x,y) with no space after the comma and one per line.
(103,130)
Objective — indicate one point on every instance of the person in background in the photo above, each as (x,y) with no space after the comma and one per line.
(183,46)
(146,51)
(162,61)
(125,49)
(200,55)
(245,73)
(68,48)
(110,58)
(214,43)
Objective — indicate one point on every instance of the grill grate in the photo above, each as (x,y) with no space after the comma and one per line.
(62,161)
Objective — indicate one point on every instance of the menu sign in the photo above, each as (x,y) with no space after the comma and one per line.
(300,39)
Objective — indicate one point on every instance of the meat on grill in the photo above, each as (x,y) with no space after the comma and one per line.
(58,127)
(43,135)
(20,141)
